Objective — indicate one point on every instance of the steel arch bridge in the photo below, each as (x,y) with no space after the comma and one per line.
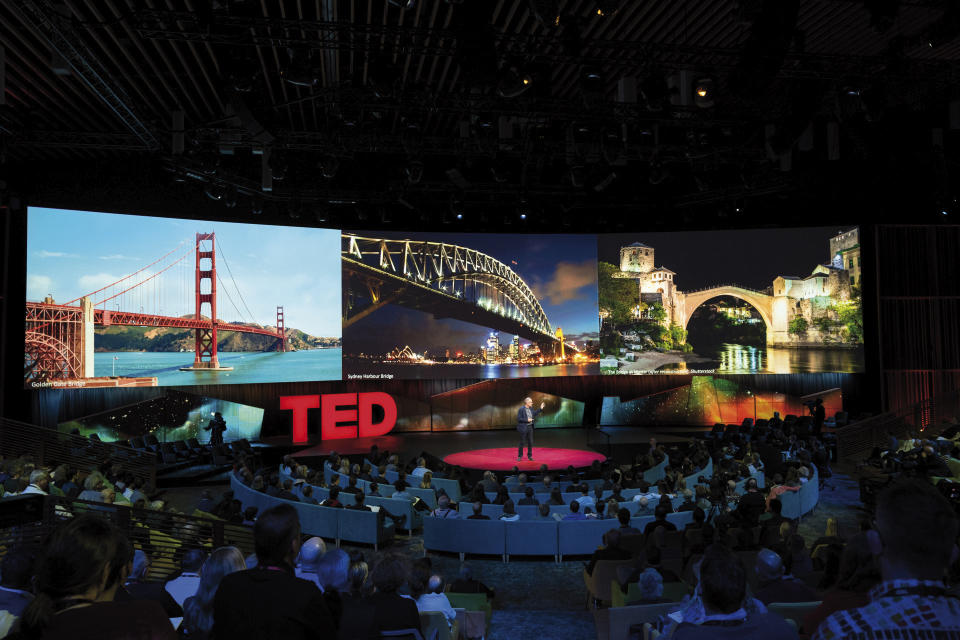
(389,268)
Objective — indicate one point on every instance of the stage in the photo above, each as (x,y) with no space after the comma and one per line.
(582,445)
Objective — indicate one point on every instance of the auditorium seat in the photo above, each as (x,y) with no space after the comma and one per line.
(456,535)
(531,538)
(794,611)
(599,583)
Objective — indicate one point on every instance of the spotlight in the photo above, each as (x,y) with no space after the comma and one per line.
(703,93)
(513,83)
(214,192)
(607,7)
(403,4)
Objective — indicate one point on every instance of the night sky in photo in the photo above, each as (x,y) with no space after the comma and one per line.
(752,258)
(560,269)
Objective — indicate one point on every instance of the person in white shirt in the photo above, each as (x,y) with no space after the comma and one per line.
(310,552)
(586,500)
(185,585)
(421,468)
(39,483)
(436,600)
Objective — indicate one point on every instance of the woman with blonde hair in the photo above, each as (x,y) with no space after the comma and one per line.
(198,609)
(427,480)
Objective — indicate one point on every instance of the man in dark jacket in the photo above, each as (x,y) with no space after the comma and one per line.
(270,601)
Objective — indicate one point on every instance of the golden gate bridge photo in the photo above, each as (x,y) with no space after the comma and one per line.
(59,337)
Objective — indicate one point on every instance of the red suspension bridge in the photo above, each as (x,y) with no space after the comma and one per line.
(59,337)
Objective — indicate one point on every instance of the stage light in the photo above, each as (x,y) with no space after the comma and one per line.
(214,192)
(403,4)
(607,7)
(704,93)
(513,83)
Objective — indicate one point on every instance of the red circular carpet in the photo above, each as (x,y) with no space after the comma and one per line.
(505,458)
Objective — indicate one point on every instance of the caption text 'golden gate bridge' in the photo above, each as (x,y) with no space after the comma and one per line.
(59,337)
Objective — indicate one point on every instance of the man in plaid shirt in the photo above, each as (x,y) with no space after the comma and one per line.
(914,537)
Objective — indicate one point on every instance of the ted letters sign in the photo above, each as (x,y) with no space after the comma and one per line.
(342,415)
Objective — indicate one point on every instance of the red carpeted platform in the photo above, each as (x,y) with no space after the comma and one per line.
(505,458)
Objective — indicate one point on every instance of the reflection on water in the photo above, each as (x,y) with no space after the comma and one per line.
(386,371)
(741,358)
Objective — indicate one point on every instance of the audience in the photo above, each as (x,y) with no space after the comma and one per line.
(185,585)
(722,591)
(914,540)
(444,510)
(574,512)
(270,601)
(198,608)
(858,573)
(775,584)
(310,553)
(478,512)
(16,574)
(83,564)
(390,610)
(610,551)
(466,583)
(434,599)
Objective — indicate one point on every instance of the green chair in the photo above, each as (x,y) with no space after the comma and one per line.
(793,611)
(435,627)
(472,602)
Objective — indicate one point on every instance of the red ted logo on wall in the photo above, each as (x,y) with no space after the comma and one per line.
(342,415)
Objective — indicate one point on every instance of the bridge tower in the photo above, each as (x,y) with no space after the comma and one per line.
(559,334)
(281,332)
(205,339)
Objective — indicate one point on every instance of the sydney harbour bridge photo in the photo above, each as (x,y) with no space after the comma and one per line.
(753,301)
(468,306)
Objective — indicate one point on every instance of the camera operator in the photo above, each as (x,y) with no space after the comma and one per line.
(819,414)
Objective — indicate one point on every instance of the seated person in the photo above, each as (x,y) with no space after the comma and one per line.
(434,599)
(478,512)
(650,583)
(610,551)
(688,504)
(400,492)
(574,512)
(623,515)
(661,521)
(509,512)
(443,509)
(421,468)
(352,486)
(585,499)
(699,517)
(333,499)
(719,610)
(467,584)
(556,496)
(374,490)
(307,493)
(644,508)
(775,584)
(528,497)
(543,512)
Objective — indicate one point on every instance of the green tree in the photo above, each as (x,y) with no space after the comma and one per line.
(850,315)
(823,324)
(618,297)
(798,326)
(657,313)
(678,335)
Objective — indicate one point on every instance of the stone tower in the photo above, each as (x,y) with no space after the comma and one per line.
(636,258)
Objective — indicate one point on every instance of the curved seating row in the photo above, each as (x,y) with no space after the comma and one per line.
(545,537)
(327,522)
(393,506)
(451,487)
(386,488)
